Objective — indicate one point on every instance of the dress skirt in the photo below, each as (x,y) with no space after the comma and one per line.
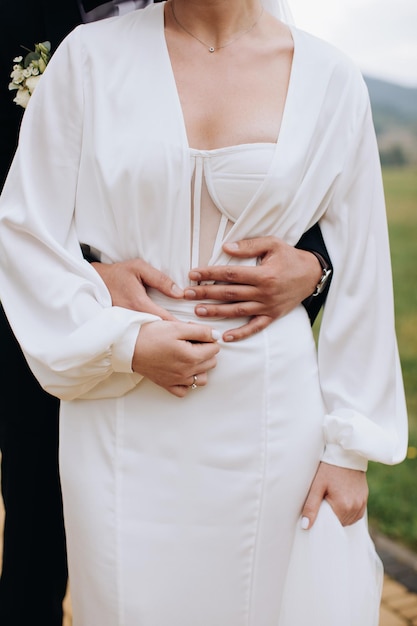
(186,511)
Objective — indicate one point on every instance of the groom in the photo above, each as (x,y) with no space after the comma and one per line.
(34,575)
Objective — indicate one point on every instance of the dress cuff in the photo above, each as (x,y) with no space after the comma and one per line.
(123,349)
(336,455)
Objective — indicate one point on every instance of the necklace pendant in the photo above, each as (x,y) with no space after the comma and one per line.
(211,49)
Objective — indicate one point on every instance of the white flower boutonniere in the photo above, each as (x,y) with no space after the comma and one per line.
(27,72)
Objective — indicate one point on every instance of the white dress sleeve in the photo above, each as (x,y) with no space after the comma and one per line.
(359,366)
(76,343)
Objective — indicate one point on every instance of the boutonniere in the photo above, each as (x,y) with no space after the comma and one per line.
(27,72)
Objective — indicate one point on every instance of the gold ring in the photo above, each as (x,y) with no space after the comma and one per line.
(194,384)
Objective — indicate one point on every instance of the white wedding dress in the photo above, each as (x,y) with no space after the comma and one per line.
(186,512)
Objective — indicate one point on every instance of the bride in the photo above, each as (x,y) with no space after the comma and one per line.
(206,482)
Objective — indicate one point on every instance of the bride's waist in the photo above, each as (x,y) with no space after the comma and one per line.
(185,309)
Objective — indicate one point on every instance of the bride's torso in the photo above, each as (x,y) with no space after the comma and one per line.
(232,115)
(177,116)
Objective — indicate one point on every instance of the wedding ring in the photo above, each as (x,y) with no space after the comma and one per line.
(194,384)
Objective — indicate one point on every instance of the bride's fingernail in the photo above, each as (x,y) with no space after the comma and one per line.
(176,290)
(305,523)
(201,310)
(232,246)
(216,335)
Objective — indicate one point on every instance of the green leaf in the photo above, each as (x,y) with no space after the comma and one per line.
(32,56)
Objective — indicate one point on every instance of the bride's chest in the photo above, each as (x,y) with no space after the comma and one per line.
(231,103)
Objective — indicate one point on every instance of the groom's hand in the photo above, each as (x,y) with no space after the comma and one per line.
(127,282)
(282,279)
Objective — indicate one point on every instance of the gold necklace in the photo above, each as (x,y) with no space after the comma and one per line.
(212,48)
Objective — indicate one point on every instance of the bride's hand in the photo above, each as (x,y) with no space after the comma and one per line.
(174,355)
(346,490)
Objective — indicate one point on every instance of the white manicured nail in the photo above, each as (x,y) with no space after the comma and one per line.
(305,522)
(216,335)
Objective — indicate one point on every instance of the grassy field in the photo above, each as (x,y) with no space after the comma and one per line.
(393,497)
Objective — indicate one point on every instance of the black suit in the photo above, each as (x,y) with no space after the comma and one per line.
(33,582)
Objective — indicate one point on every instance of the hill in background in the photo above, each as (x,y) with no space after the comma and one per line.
(394,109)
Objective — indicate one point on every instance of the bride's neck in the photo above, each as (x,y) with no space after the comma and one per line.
(215,20)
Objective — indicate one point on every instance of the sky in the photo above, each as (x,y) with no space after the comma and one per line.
(379,35)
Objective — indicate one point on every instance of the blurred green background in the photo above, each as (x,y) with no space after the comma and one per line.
(393,490)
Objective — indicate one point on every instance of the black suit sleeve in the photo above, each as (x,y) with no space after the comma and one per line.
(313,240)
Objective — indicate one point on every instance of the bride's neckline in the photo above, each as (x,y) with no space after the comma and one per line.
(236,147)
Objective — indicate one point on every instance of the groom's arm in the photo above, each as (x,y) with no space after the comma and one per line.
(312,241)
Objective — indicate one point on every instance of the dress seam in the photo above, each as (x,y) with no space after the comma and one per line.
(262,478)
(117,483)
